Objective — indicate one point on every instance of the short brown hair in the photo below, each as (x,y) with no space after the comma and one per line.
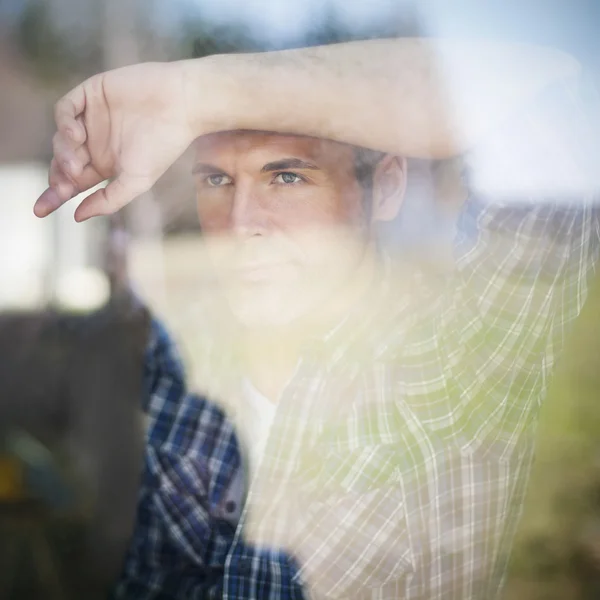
(365,162)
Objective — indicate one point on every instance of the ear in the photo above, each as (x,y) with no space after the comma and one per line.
(389,185)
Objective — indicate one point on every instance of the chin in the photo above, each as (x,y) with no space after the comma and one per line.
(264,317)
(265,310)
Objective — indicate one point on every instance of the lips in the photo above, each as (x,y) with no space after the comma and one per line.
(255,272)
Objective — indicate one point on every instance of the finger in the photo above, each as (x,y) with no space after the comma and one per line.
(81,123)
(60,182)
(76,167)
(114,196)
(47,203)
(88,179)
(62,145)
(62,189)
(66,111)
(72,160)
(54,173)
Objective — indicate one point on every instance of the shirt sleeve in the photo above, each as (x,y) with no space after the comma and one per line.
(184,523)
(156,567)
(526,245)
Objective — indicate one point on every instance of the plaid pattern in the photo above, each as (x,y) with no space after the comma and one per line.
(399,455)
(191,491)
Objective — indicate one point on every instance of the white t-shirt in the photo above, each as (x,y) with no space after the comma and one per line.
(255,420)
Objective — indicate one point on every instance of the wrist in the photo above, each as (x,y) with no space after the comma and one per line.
(211,93)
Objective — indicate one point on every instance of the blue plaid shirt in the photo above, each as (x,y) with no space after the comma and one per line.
(398,459)
(192,489)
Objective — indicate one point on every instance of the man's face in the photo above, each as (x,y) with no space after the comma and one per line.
(284,220)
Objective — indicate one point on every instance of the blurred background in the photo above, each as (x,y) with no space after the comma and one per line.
(64,287)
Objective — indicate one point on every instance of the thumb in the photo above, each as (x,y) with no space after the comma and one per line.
(118,193)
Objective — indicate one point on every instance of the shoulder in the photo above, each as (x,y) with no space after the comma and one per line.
(163,366)
(176,418)
(164,385)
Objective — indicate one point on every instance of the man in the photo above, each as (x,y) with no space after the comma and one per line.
(402,408)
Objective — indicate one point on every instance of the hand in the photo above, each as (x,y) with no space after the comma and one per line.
(128,125)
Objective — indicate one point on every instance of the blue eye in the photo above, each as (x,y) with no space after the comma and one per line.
(218,180)
(288,178)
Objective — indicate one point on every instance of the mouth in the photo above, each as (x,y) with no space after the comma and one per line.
(260,271)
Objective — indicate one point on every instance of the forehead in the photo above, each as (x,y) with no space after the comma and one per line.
(254,145)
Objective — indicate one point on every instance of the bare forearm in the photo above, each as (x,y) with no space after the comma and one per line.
(420,98)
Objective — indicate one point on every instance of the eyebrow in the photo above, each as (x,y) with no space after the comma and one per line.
(206,169)
(288,163)
(277,165)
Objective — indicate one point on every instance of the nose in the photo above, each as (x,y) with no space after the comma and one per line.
(248,215)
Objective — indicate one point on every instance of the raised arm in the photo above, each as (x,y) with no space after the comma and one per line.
(422,98)
(404,96)
(527,245)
